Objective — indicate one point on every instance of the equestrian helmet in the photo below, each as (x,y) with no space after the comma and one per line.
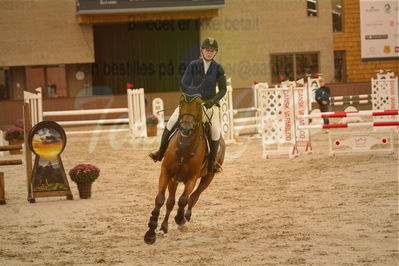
(210,43)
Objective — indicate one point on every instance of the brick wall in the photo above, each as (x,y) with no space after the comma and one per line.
(349,41)
(43,32)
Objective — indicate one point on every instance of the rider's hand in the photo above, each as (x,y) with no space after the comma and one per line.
(209,103)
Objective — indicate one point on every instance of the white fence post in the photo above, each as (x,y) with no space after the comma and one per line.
(226,115)
(136,106)
(36,105)
(158,111)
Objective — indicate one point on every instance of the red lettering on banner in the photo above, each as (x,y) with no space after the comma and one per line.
(301,111)
(287,116)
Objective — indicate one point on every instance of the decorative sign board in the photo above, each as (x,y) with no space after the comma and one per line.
(47,141)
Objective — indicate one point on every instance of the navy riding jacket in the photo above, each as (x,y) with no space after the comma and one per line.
(195,81)
(323,94)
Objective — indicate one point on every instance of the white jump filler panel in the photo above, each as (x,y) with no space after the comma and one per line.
(226,115)
(277,121)
(361,141)
(385,95)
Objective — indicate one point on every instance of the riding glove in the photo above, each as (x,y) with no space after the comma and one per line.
(209,103)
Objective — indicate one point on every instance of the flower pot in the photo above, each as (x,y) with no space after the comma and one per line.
(84,191)
(151,130)
(15,142)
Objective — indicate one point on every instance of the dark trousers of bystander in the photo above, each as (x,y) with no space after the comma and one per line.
(325,108)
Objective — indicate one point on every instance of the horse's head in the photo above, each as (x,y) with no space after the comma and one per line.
(190,113)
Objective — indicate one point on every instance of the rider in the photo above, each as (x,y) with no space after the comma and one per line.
(201,77)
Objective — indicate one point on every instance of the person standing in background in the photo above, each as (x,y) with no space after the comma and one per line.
(323,99)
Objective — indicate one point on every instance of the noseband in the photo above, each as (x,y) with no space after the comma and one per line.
(194,122)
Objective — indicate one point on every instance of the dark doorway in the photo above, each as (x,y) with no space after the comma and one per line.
(151,55)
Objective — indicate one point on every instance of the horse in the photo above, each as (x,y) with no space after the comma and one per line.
(184,162)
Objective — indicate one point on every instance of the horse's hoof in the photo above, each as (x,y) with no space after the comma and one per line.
(164,227)
(182,228)
(187,215)
(180,220)
(150,237)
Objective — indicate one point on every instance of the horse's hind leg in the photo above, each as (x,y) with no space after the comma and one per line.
(170,203)
(150,236)
(183,200)
(204,183)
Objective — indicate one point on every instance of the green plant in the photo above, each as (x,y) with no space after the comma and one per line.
(84,173)
(152,120)
(14,133)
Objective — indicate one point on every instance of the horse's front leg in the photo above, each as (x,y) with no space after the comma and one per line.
(170,203)
(183,200)
(150,235)
(204,183)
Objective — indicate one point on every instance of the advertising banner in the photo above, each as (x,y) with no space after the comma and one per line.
(379,29)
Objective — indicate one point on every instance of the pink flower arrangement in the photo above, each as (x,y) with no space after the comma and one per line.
(14,133)
(152,120)
(84,173)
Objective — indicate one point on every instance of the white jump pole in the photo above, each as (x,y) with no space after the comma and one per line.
(86,112)
(351,102)
(350,97)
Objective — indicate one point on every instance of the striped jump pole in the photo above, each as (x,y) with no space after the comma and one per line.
(351,114)
(350,125)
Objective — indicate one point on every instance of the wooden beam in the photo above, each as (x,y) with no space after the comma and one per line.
(28,153)
(175,15)
(10,162)
(2,190)
(10,147)
(57,193)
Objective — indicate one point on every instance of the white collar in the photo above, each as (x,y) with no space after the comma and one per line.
(206,65)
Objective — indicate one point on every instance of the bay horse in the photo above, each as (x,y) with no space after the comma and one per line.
(184,162)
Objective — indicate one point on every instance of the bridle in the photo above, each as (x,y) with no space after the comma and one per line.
(186,126)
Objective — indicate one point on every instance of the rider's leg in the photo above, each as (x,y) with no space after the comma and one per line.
(215,139)
(158,155)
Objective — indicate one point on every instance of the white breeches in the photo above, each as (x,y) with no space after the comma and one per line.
(212,113)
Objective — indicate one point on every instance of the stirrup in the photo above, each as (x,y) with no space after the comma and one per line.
(217,168)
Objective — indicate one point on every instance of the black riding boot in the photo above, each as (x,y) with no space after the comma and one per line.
(212,167)
(158,155)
